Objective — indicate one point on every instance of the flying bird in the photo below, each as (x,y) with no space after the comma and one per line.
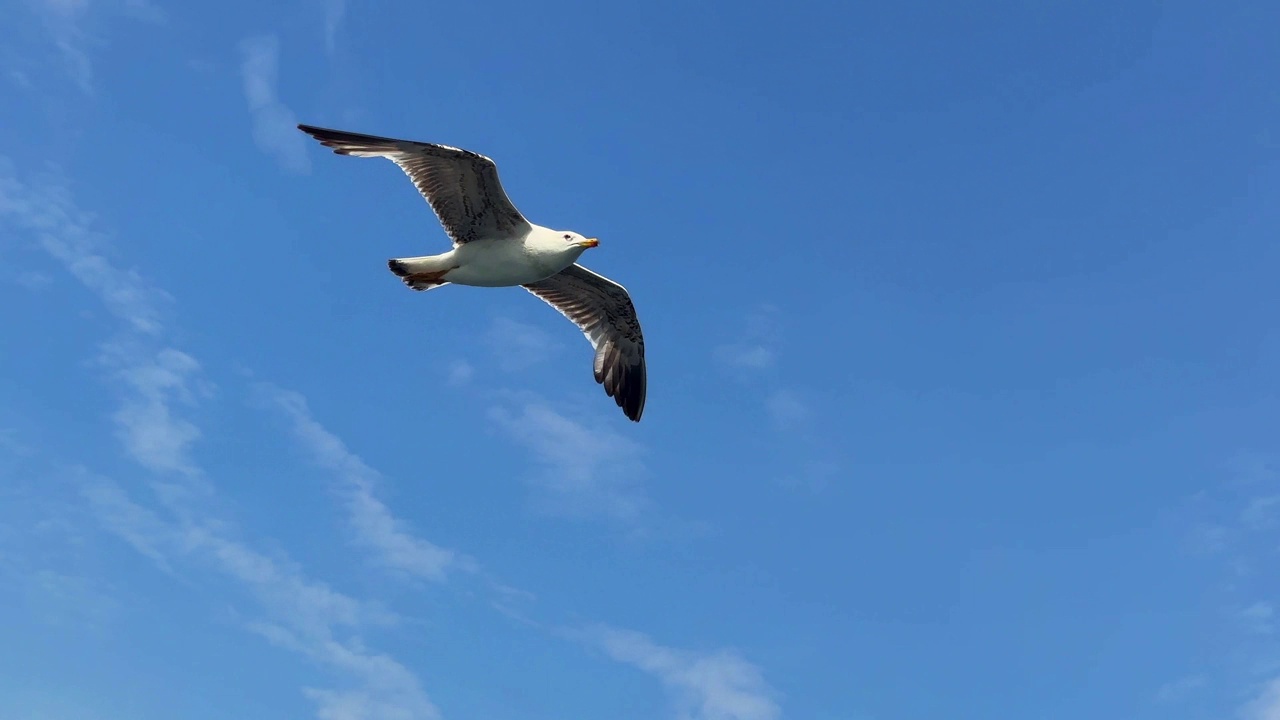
(495,246)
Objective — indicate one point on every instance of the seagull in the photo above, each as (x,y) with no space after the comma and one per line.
(495,246)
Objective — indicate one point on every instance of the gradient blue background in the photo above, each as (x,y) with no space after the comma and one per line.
(961,321)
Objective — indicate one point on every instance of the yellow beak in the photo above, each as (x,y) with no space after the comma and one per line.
(590,242)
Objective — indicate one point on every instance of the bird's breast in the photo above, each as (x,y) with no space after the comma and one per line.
(500,264)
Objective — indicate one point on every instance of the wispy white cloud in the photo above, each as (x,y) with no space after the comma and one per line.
(69,25)
(19,78)
(144,10)
(786,408)
(759,344)
(1232,524)
(392,699)
(307,612)
(137,526)
(374,524)
(160,384)
(1247,469)
(65,595)
(376,528)
(274,124)
(718,685)
(146,423)
(297,613)
(45,212)
(746,356)
(517,346)
(10,444)
(755,359)
(64,21)
(1180,689)
(814,463)
(33,280)
(586,471)
(334,11)
(1261,512)
(152,378)
(1259,617)
(1231,519)
(310,608)
(1266,706)
(48,560)
(460,372)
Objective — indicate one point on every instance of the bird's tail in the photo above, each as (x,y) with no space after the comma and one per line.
(422,273)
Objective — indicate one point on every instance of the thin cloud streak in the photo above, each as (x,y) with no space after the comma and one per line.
(1179,690)
(746,356)
(137,526)
(300,614)
(758,349)
(588,470)
(460,372)
(146,423)
(63,19)
(145,11)
(1234,524)
(585,471)
(719,685)
(274,124)
(152,380)
(1259,618)
(158,383)
(517,346)
(786,409)
(61,230)
(334,11)
(811,462)
(1266,706)
(65,22)
(375,525)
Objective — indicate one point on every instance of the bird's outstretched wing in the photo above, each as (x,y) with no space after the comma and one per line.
(602,309)
(462,187)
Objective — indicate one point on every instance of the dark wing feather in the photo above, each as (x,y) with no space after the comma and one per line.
(602,309)
(462,187)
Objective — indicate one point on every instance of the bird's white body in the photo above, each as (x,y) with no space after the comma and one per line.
(500,262)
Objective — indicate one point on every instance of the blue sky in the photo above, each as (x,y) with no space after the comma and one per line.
(962,351)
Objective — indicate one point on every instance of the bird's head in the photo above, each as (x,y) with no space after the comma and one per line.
(576,242)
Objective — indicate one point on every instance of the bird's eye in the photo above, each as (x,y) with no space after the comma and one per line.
(568,237)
